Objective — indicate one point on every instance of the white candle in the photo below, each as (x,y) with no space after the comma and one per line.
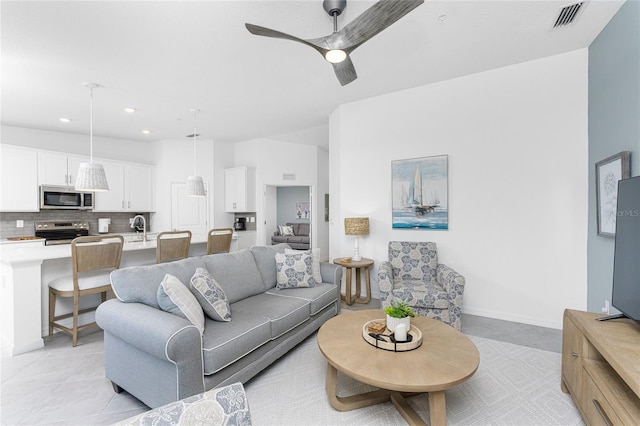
(400,333)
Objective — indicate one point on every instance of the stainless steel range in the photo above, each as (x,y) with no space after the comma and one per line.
(61,232)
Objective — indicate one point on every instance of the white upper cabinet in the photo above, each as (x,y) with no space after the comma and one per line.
(19,177)
(58,168)
(240,189)
(131,188)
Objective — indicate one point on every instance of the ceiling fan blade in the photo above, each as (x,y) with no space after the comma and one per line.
(267,32)
(371,22)
(345,71)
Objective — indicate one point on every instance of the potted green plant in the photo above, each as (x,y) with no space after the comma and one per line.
(398,312)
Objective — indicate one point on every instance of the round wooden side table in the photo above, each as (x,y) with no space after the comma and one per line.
(350,266)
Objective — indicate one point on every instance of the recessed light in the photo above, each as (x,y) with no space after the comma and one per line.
(64,120)
(146,131)
(130,110)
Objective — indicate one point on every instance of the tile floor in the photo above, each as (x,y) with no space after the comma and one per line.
(60,384)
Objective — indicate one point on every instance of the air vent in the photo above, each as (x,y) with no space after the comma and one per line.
(568,14)
(288,176)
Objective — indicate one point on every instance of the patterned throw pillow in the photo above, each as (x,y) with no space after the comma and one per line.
(286,231)
(175,297)
(211,296)
(294,270)
(315,267)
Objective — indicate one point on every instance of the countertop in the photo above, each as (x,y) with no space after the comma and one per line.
(17,253)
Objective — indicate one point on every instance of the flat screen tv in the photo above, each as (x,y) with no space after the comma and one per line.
(626,259)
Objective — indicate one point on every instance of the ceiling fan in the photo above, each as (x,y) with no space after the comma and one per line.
(336,47)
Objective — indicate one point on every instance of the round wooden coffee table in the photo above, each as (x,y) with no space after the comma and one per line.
(445,359)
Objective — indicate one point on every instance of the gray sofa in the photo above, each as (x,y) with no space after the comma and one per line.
(301,240)
(159,357)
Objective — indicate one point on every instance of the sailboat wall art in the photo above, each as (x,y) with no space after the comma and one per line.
(420,193)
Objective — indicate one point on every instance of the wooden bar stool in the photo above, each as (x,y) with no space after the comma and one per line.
(172,245)
(219,240)
(92,260)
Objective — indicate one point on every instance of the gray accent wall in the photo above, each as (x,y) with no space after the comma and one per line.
(287,198)
(614,126)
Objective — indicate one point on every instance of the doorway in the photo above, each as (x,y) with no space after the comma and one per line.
(286,204)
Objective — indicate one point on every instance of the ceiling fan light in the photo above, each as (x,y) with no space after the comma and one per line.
(91,177)
(195,186)
(335,56)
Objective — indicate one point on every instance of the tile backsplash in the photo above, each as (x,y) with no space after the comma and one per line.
(119,221)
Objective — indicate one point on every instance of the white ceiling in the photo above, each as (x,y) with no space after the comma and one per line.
(165,58)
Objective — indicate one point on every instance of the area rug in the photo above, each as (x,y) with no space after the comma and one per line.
(514,385)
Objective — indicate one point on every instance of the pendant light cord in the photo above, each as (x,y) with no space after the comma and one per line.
(91,123)
(195,140)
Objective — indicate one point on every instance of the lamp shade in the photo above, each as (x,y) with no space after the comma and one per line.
(195,186)
(356,225)
(91,177)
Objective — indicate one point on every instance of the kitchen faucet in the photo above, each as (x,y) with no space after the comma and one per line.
(137,227)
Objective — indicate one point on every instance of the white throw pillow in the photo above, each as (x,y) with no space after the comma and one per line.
(315,267)
(294,270)
(286,231)
(175,297)
(211,296)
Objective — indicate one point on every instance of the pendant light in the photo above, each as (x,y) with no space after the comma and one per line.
(195,185)
(91,176)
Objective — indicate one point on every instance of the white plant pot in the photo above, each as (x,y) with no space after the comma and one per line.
(392,322)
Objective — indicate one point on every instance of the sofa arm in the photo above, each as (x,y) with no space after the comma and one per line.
(331,273)
(385,279)
(154,355)
(159,333)
(452,282)
(224,405)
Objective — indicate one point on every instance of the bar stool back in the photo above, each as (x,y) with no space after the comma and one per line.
(172,245)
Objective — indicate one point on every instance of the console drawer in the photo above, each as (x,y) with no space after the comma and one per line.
(596,408)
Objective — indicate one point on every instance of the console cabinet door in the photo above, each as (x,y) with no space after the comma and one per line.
(19,176)
(572,353)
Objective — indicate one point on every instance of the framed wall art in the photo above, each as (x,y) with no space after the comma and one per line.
(302,210)
(420,193)
(608,172)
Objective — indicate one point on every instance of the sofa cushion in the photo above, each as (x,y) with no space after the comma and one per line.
(210,295)
(223,343)
(315,266)
(237,274)
(419,294)
(139,284)
(318,297)
(294,270)
(175,297)
(265,257)
(300,229)
(284,314)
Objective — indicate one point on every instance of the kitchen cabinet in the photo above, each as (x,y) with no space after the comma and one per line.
(58,168)
(19,177)
(240,189)
(131,188)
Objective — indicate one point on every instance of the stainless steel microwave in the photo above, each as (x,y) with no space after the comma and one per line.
(64,198)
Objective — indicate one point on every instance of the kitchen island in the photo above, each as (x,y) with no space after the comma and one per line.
(24,291)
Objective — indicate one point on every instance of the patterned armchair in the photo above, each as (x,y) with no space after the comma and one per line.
(219,406)
(413,274)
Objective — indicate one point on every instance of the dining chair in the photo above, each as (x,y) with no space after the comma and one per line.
(172,245)
(92,260)
(219,240)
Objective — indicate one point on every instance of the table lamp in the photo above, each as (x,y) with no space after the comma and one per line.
(356,226)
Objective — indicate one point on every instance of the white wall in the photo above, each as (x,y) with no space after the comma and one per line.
(272,159)
(516,138)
